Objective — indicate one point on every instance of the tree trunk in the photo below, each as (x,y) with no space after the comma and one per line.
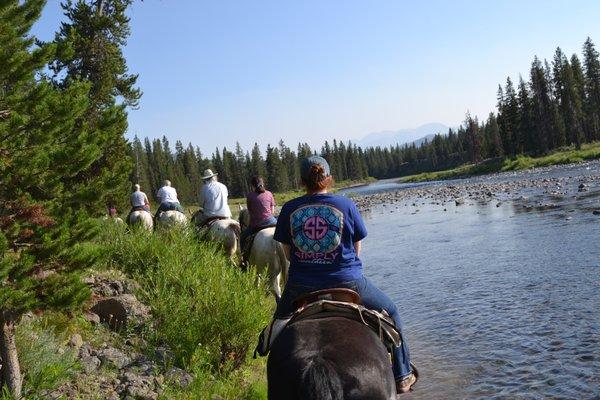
(10,373)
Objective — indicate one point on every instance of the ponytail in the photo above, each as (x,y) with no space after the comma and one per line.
(317,179)
(258,184)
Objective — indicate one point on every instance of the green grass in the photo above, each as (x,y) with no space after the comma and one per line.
(205,309)
(568,155)
(45,361)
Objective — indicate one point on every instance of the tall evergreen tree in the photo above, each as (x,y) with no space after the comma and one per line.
(526,124)
(568,98)
(542,108)
(591,62)
(90,46)
(43,209)
(257,163)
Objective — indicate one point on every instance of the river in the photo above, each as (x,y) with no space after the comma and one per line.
(500,296)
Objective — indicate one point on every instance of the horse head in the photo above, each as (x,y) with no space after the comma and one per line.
(244,217)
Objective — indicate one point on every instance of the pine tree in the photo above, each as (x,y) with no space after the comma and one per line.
(526,125)
(591,62)
(494,142)
(542,108)
(90,49)
(43,215)
(140,173)
(257,163)
(276,173)
(473,138)
(510,115)
(568,98)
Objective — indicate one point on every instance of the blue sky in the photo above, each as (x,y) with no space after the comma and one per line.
(218,72)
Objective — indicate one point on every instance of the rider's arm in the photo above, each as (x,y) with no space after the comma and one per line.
(146,201)
(357,247)
(287,251)
(272,204)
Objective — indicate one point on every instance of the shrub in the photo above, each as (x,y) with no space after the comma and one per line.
(207,310)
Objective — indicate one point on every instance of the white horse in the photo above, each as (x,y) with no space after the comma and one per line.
(142,219)
(225,232)
(171,218)
(267,255)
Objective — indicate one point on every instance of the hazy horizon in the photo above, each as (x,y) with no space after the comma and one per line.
(217,74)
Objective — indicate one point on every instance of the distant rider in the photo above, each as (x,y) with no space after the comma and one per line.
(321,234)
(167,197)
(139,200)
(261,207)
(212,199)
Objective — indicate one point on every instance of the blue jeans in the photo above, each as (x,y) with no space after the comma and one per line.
(251,230)
(372,298)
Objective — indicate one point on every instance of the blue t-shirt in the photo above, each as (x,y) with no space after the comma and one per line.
(321,230)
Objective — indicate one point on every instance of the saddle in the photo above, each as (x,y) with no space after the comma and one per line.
(345,303)
(330,303)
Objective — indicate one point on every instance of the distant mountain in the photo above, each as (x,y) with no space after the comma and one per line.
(402,136)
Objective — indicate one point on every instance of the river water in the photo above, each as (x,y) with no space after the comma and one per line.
(499,299)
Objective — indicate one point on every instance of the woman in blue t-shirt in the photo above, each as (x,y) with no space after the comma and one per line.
(321,233)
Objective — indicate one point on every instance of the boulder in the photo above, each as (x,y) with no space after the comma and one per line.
(122,311)
(76,342)
(138,386)
(179,377)
(114,357)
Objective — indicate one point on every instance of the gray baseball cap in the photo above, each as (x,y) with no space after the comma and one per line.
(308,162)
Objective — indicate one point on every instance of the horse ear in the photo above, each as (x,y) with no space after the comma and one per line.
(240,206)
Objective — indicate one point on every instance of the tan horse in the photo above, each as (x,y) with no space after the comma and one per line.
(171,218)
(268,256)
(225,232)
(142,219)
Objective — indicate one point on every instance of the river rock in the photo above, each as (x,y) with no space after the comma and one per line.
(459,202)
(596,212)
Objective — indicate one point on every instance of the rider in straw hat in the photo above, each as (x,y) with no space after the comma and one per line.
(212,199)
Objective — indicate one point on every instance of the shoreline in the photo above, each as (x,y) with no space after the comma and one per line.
(566,156)
(534,188)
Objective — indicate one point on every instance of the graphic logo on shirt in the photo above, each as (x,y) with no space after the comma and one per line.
(317,232)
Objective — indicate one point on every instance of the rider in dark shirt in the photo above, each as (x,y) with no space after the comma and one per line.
(321,233)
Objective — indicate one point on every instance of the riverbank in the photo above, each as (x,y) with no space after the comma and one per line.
(568,155)
(532,189)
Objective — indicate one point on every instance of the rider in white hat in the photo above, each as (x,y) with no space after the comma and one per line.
(212,199)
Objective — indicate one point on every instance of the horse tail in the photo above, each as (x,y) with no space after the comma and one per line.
(320,381)
(235,227)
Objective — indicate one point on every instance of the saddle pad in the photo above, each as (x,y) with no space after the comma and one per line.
(380,323)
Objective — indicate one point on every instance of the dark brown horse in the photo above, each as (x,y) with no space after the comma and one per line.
(329,359)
